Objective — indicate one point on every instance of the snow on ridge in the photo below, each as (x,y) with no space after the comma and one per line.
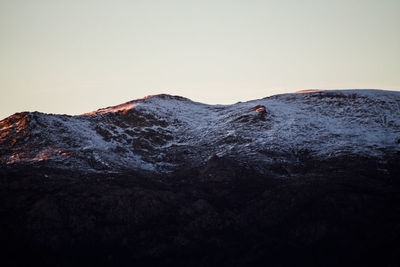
(133,103)
(356,121)
(360,92)
(369,92)
(322,124)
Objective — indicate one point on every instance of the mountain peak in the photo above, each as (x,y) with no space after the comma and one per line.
(167,97)
(133,103)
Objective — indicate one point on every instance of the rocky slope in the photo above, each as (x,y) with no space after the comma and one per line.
(164,133)
(307,179)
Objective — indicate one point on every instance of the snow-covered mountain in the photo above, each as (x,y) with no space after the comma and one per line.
(303,179)
(163,133)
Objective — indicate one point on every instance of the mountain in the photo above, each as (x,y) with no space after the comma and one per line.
(304,179)
(164,133)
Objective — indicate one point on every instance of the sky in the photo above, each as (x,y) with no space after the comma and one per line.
(75,56)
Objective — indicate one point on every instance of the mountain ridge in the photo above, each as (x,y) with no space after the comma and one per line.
(290,180)
(162,132)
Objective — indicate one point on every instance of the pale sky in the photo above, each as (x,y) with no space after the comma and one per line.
(75,56)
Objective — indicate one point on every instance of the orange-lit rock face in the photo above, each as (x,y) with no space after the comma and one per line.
(308,91)
(124,108)
(18,120)
(46,154)
(15,132)
(51,153)
(64,153)
(17,126)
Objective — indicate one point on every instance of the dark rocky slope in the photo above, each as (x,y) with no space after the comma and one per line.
(341,212)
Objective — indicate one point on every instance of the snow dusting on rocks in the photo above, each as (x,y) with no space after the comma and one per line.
(163,133)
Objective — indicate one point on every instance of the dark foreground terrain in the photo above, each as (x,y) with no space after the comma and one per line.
(339,212)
